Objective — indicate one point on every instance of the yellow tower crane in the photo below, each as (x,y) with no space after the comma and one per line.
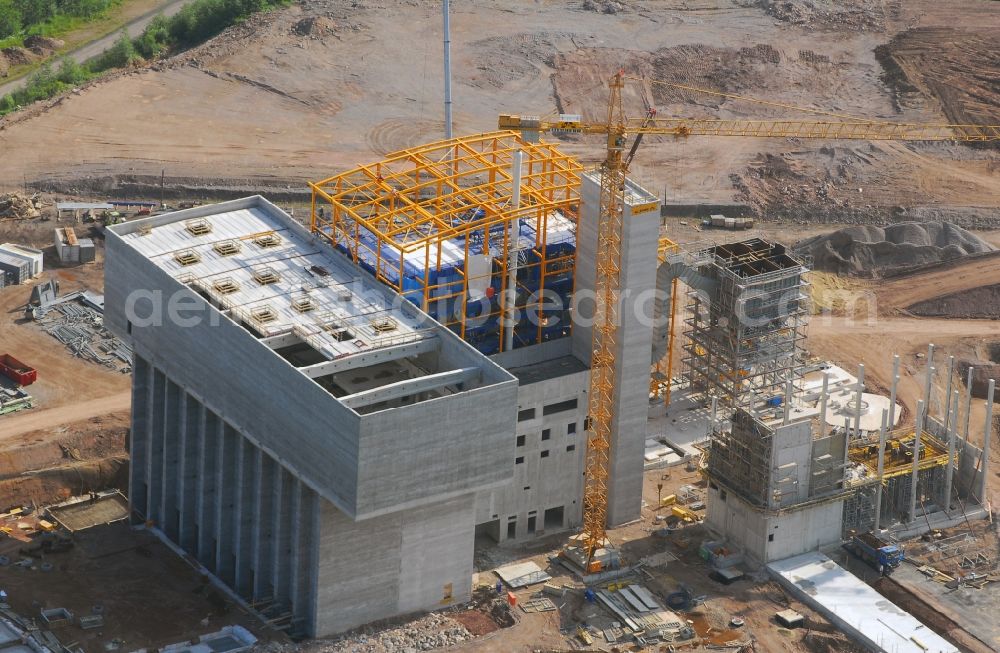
(617,128)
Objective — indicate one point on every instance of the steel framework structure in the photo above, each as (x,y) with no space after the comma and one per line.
(404,212)
(744,341)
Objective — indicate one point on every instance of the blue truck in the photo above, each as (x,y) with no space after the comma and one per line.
(877,552)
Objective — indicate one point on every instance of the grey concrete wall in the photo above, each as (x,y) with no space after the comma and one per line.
(425,447)
(538,483)
(791,463)
(766,537)
(639,264)
(404,562)
(543,351)
(438,448)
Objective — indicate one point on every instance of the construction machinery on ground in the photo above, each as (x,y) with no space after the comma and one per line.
(617,128)
(879,553)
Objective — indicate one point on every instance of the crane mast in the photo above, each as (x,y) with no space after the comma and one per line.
(607,286)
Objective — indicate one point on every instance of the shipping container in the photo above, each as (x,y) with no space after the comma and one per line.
(16,370)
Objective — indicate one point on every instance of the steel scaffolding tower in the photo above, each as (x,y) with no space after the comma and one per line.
(744,334)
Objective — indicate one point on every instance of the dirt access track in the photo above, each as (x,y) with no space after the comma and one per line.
(309,90)
(895,295)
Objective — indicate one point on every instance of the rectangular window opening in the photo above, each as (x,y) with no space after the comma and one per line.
(546,434)
(545,453)
(226,286)
(520,440)
(553,518)
(560,407)
(526,414)
(519,460)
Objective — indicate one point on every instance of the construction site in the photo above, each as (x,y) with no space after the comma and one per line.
(621,326)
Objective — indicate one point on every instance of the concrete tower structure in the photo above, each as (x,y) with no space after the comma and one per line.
(641,223)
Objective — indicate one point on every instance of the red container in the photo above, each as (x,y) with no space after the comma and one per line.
(16,370)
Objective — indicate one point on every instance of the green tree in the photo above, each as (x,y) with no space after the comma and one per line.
(71,73)
(10,18)
(82,8)
(119,55)
(34,12)
(155,38)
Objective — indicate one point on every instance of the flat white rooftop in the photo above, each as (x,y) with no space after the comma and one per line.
(268,272)
(852,605)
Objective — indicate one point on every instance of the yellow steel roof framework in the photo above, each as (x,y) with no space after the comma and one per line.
(899,455)
(417,199)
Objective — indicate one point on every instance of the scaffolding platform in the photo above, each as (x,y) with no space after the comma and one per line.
(744,335)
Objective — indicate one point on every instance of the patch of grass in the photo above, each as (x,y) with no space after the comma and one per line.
(46,82)
(52,18)
(76,32)
(194,24)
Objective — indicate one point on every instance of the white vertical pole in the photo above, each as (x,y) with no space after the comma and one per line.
(447,69)
(512,243)
(987,432)
(930,377)
(892,399)
(917,433)
(881,468)
(949,471)
(947,393)
(857,398)
(822,400)
(968,402)
(788,402)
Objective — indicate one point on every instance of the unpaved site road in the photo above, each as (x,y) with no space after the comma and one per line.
(913,327)
(35,420)
(94,48)
(896,295)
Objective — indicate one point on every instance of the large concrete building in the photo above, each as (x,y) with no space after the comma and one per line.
(319,443)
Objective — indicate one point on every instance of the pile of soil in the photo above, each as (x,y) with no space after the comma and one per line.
(316,26)
(870,251)
(861,15)
(43,46)
(982,373)
(611,7)
(18,207)
(17,56)
(35,48)
(982,303)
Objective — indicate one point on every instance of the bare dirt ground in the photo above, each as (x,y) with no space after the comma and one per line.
(277,100)
(63,380)
(79,405)
(148,596)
